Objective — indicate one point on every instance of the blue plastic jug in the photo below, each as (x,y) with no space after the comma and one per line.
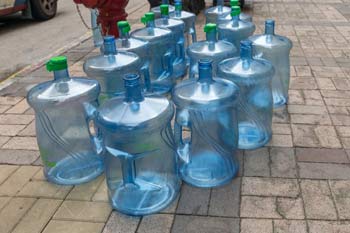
(276,49)
(236,30)
(157,11)
(178,29)
(207,107)
(228,18)
(141,169)
(162,49)
(253,76)
(214,13)
(211,48)
(110,67)
(62,113)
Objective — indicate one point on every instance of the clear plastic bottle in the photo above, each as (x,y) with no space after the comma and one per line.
(253,76)
(110,67)
(141,169)
(228,18)
(96,29)
(206,106)
(162,48)
(276,49)
(212,49)
(157,12)
(63,108)
(214,13)
(236,30)
(178,29)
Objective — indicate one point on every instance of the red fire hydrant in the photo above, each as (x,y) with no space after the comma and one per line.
(110,12)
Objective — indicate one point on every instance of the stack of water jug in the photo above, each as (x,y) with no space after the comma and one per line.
(132,121)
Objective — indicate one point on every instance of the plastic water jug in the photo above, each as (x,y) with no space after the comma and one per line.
(110,67)
(162,49)
(141,168)
(214,13)
(178,29)
(139,47)
(228,18)
(207,107)
(62,113)
(236,30)
(276,49)
(96,29)
(212,49)
(253,76)
(157,11)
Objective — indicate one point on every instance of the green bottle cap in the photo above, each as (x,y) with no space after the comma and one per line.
(178,6)
(234,3)
(124,26)
(235,10)
(149,16)
(209,27)
(164,9)
(57,63)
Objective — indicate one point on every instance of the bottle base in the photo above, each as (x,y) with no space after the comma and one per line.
(279,101)
(250,137)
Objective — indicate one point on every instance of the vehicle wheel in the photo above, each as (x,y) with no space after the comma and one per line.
(43,9)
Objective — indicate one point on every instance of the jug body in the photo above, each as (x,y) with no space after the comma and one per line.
(253,76)
(141,168)
(276,49)
(206,129)
(62,112)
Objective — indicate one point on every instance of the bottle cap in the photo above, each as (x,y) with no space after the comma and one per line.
(235,10)
(178,6)
(124,26)
(210,27)
(164,9)
(57,63)
(234,3)
(149,16)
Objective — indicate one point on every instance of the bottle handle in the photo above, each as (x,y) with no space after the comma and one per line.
(180,49)
(96,138)
(183,148)
(168,63)
(193,34)
(146,77)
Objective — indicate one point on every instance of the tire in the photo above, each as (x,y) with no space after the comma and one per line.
(43,9)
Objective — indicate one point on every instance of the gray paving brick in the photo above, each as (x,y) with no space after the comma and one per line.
(55,226)
(324,171)
(285,226)
(328,226)
(259,207)
(256,226)
(321,155)
(283,162)
(15,119)
(256,163)
(19,157)
(193,201)
(157,223)
(341,193)
(119,223)
(10,130)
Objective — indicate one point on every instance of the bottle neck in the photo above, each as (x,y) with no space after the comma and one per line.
(109,48)
(150,24)
(270,28)
(133,93)
(246,55)
(124,36)
(165,19)
(61,75)
(205,73)
(211,36)
(220,5)
(235,20)
(178,10)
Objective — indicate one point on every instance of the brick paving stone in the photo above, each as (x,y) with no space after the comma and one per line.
(305,109)
(281,129)
(19,108)
(224,201)
(304,136)
(13,212)
(6,171)
(256,226)
(38,216)
(341,120)
(189,224)
(10,130)
(281,140)
(325,84)
(44,189)
(4,108)
(335,94)
(85,192)
(101,193)
(21,143)
(39,175)
(259,207)
(73,227)
(3,140)
(303,84)
(17,180)
(324,171)
(318,200)
(285,226)
(256,163)
(321,155)
(290,208)
(270,187)
(346,142)
(310,119)
(283,162)
(83,211)
(157,223)
(18,157)
(10,100)
(296,97)
(15,119)
(343,131)
(337,110)
(313,98)
(120,223)
(193,201)
(280,115)
(303,71)
(329,227)
(337,102)
(29,130)
(4,201)
(341,194)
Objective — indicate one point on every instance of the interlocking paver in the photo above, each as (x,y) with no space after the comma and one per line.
(44,189)
(329,227)
(290,208)
(6,171)
(29,130)
(286,226)
(283,162)
(73,227)
(19,157)
(341,193)
(281,140)
(10,100)
(21,143)
(85,192)
(3,140)
(321,155)
(19,108)
(324,171)
(120,223)
(259,207)
(4,108)
(4,201)
(193,201)
(256,163)
(256,226)
(101,193)
(10,130)
(157,223)
(15,119)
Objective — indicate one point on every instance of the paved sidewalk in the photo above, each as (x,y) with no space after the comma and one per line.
(299,183)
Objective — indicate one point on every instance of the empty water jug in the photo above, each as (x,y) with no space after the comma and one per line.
(206,106)
(139,47)
(141,169)
(157,11)
(62,113)
(162,49)
(214,13)
(253,76)
(96,29)
(276,49)
(228,18)
(110,67)
(178,29)
(211,48)
(236,30)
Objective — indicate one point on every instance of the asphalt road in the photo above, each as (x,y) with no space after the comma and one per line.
(24,41)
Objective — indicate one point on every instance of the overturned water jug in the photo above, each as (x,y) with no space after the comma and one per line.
(228,18)
(206,112)
(141,169)
(236,30)
(214,13)
(62,113)
(157,11)
(162,48)
(110,67)
(276,49)
(212,49)
(253,76)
